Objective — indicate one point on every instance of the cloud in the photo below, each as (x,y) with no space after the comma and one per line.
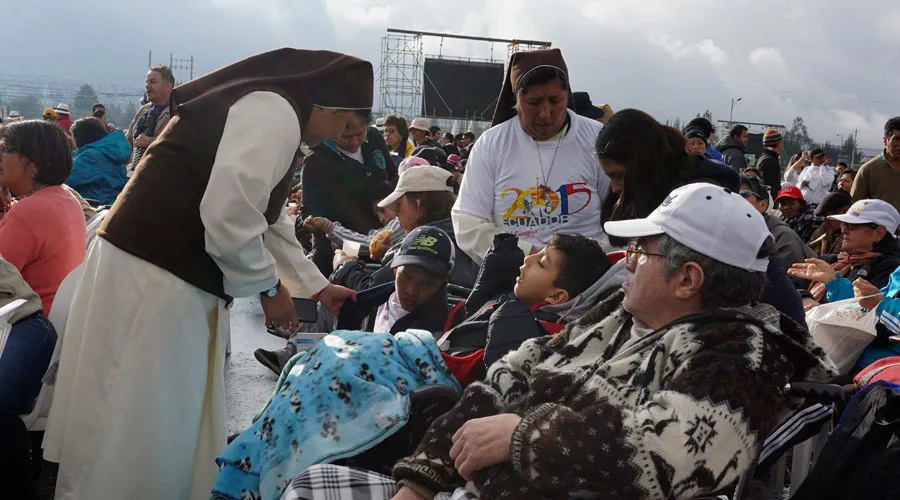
(669,58)
(886,27)
(770,60)
(358,13)
(680,50)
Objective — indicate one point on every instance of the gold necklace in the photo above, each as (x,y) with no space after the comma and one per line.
(29,193)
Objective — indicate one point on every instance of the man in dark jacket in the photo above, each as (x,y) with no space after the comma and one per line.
(734,146)
(339,183)
(769,162)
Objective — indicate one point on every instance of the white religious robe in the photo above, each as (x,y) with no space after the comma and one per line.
(139,403)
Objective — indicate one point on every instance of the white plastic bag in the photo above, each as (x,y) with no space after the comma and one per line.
(843,329)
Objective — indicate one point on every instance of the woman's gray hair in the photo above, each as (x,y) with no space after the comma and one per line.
(724,285)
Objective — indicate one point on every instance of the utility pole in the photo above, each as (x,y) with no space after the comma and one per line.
(855,143)
(731,116)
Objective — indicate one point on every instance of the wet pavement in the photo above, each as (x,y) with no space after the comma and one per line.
(248,384)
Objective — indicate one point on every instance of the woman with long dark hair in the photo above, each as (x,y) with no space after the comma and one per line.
(645,161)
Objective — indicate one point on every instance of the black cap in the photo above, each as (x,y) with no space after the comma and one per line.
(434,156)
(701,123)
(694,132)
(429,248)
(584,107)
(837,201)
(816,153)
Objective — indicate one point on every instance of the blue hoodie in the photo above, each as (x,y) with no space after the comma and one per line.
(98,172)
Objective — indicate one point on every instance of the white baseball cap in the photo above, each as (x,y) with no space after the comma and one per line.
(419,180)
(423,124)
(708,219)
(871,212)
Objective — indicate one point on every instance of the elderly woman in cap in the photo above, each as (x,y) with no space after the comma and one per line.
(533,173)
(140,391)
(871,253)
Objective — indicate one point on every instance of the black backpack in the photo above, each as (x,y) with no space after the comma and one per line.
(861,459)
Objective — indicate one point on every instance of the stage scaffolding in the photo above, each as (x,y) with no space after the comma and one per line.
(401,75)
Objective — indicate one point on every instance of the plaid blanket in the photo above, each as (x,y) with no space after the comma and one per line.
(334,482)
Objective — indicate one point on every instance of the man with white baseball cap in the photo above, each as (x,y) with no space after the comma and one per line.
(684,371)
(420,130)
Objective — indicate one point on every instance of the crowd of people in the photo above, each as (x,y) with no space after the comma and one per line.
(615,304)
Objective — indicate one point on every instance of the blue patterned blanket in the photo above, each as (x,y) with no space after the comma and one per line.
(341,398)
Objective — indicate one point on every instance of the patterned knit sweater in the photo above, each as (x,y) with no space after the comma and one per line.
(681,413)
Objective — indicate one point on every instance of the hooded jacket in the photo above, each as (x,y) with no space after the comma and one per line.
(769,165)
(733,153)
(790,248)
(681,413)
(98,169)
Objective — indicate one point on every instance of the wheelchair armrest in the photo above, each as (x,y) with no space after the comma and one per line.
(821,392)
(434,393)
(459,291)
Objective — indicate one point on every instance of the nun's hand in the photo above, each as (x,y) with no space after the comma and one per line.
(333,297)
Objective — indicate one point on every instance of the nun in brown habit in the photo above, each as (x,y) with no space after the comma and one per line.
(533,173)
(139,404)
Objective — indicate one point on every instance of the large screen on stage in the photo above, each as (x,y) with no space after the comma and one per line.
(460,89)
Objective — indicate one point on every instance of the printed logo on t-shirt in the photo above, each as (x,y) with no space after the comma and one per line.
(540,209)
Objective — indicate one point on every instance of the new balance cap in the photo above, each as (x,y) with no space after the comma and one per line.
(429,248)
(708,219)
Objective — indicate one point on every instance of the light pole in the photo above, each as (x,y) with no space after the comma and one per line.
(731,116)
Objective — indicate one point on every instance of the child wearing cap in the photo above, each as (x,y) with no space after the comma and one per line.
(417,298)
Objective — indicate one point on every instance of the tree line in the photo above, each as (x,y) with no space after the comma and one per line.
(33,105)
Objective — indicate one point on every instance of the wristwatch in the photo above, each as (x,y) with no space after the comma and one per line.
(272,292)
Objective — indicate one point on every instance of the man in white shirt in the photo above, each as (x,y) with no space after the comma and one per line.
(533,174)
(815,180)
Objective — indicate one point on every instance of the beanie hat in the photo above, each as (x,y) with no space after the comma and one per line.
(695,133)
(772,136)
(701,123)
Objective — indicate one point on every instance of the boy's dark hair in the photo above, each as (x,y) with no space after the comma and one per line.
(843,163)
(45,145)
(584,264)
(87,130)
(449,136)
(851,172)
(890,125)
(737,131)
(165,72)
(470,136)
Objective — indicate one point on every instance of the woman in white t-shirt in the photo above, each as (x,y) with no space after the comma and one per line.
(533,174)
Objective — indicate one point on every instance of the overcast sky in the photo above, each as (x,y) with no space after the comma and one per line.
(830,65)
